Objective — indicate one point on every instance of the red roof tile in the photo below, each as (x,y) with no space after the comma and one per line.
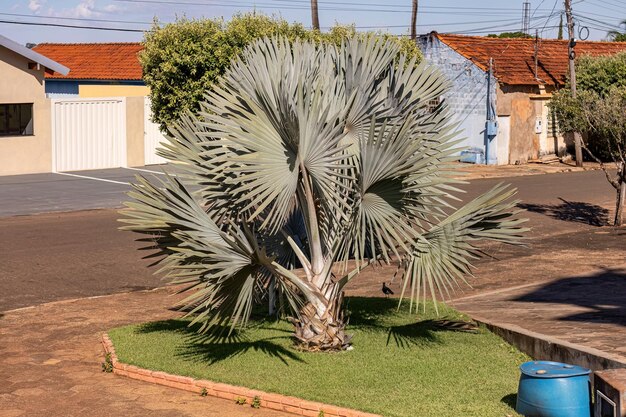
(95,61)
(514,59)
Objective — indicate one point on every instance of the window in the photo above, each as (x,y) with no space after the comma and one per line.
(16,119)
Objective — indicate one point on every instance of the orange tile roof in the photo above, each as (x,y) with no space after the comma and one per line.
(514,59)
(95,61)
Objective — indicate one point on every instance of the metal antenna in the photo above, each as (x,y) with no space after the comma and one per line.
(526,17)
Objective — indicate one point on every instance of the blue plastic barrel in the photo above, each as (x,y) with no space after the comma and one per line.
(553,389)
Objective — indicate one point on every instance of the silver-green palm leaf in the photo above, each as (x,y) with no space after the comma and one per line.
(308,162)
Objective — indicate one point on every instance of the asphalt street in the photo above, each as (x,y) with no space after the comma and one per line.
(61,255)
(68,191)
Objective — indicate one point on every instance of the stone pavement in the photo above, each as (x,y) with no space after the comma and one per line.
(50,363)
(587,309)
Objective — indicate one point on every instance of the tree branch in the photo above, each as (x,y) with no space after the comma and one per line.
(612,181)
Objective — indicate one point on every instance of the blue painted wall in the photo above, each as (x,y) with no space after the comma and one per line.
(467,99)
(66,88)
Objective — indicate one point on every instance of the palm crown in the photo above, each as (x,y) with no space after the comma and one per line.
(308,163)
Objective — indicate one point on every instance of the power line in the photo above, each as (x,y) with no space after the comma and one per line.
(9,22)
(235,4)
(597,22)
(82,19)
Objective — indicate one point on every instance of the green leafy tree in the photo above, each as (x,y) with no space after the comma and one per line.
(617,36)
(309,162)
(599,110)
(182,60)
(509,35)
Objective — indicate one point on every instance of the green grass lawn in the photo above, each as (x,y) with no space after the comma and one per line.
(401,365)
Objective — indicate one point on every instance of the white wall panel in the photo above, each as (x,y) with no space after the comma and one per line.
(88,133)
(152,137)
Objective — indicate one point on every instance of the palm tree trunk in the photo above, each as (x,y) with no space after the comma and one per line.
(414,20)
(322,329)
(314,16)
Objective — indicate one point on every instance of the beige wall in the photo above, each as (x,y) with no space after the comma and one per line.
(86,91)
(514,101)
(525,105)
(18,84)
(135,131)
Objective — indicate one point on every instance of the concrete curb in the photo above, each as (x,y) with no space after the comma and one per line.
(268,400)
(541,347)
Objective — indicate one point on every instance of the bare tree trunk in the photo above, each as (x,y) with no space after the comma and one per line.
(314,16)
(578,140)
(621,197)
(414,20)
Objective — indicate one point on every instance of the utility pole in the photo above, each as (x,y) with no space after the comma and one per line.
(314,16)
(414,20)
(572,76)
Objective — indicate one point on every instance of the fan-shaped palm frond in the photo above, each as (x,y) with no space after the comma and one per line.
(307,157)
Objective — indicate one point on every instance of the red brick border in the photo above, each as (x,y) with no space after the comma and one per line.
(272,401)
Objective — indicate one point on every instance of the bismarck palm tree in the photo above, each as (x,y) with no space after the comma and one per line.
(308,163)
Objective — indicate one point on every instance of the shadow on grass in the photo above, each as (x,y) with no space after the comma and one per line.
(219,346)
(510,400)
(571,211)
(368,314)
(413,334)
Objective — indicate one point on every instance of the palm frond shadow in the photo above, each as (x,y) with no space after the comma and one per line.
(370,312)
(212,353)
(413,334)
(220,345)
(424,332)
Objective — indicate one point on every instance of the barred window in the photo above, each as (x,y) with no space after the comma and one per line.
(553,125)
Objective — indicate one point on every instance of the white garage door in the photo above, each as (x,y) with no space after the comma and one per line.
(152,137)
(88,133)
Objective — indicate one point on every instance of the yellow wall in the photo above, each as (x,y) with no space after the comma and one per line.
(86,91)
(18,84)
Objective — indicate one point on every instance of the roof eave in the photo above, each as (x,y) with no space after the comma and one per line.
(34,56)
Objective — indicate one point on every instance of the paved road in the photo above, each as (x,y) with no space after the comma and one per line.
(59,192)
(67,255)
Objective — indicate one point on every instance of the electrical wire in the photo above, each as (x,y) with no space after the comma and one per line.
(71,26)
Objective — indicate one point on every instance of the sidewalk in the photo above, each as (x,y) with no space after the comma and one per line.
(50,358)
(588,310)
(475,171)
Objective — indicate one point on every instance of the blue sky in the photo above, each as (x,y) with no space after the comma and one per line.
(477,17)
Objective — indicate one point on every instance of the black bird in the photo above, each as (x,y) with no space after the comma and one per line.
(386,290)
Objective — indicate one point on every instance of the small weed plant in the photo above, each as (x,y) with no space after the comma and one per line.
(107,365)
